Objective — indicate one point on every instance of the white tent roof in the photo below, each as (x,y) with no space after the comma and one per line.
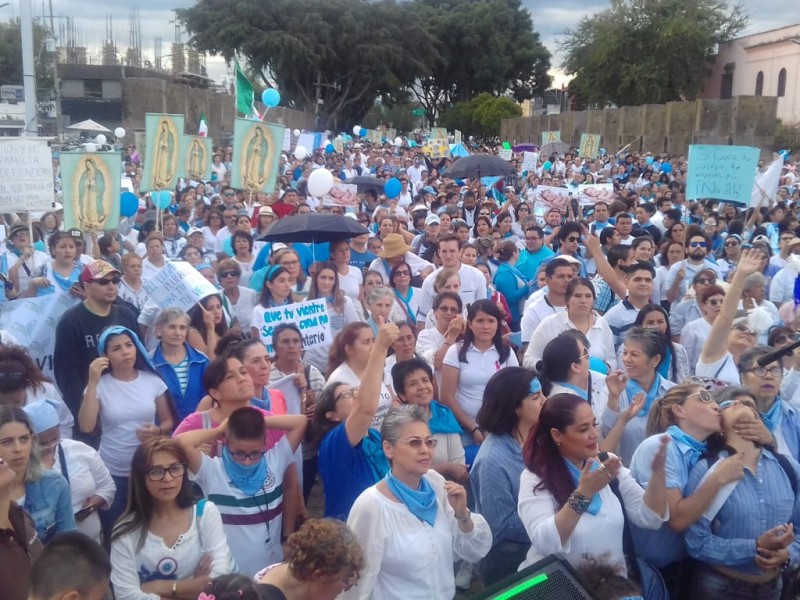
(89,125)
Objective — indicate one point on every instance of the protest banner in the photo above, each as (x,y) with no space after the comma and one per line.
(457,136)
(90,184)
(310,316)
(438,148)
(342,194)
(338,146)
(591,193)
(178,285)
(373,136)
(438,133)
(506,154)
(721,172)
(310,140)
(550,136)
(590,145)
(287,140)
(32,322)
(196,153)
(530,160)
(256,151)
(163,151)
(26,175)
(551,197)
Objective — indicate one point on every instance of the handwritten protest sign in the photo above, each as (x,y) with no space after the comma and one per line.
(591,193)
(529,161)
(178,285)
(26,175)
(506,154)
(342,194)
(721,172)
(310,316)
(551,197)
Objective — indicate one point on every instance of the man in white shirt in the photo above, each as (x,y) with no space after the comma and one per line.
(415,171)
(404,199)
(229,217)
(624,226)
(684,271)
(558,273)
(473,283)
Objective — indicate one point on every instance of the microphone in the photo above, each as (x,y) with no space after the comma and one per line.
(763,361)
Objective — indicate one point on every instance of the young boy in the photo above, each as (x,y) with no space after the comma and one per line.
(71,567)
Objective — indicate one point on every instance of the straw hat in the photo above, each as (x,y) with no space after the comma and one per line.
(394,245)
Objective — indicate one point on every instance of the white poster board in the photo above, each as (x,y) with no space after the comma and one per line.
(529,161)
(26,175)
(591,193)
(551,197)
(506,154)
(342,194)
(178,285)
(310,316)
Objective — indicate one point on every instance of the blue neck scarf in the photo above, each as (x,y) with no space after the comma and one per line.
(407,302)
(248,478)
(420,502)
(442,419)
(633,388)
(772,417)
(575,472)
(665,368)
(66,282)
(578,391)
(517,273)
(696,448)
(372,447)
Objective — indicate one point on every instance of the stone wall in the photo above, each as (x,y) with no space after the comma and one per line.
(671,127)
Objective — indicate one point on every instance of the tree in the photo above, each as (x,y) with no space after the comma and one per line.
(483,46)
(11,61)
(345,53)
(647,51)
(482,115)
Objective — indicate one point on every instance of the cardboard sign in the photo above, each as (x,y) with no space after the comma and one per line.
(530,160)
(178,285)
(551,197)
(506,154)
(26,175)
(90,184)
(721,172)
(310,316)
(591,193)
(342,194)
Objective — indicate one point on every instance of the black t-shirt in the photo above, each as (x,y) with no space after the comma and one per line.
(267,591)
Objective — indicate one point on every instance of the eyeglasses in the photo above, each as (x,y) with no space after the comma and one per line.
(48,448)
(346,394)
(744,329)
(290,263)
(417,443)
(573,239)
(247,456)
(231,218)
(106,281)
(762,371)
(158,473)
(697,244)
(12,376)
(714,302)
(225,274)
(229,194)
(731,243)
(402,274)
(705,280)
(452,310)
(704,396)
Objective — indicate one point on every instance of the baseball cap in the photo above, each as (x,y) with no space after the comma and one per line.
(193,230)
(97,270)
(432,220)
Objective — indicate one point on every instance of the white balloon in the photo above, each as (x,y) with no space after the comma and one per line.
(296,132)
(471,138)
(356,130)
(398,141)
(101,139)
(320,182)
(90,147)
(119,132)
(300,152)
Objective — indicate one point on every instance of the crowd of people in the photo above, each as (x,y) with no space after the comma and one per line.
(504,381)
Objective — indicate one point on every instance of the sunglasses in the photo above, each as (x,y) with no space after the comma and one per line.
(417,443)
(731,243)
(705,281)
(573,239)
(697,244)
(106,281)
(714,302)
(225,274)
(12,376)
(704,395)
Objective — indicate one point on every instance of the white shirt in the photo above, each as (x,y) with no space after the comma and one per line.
(599,395)
(473,287)
(475,374)
(344,374)
(350,283)
(136,297)
(534,314)
(415,263)
(594,536)
(243,309)
(781,287)
(35,263)
(222,236)
(406,558)
(690,270)
(600,338)
(209,239)
(693,336)
(723,369)
(149,270)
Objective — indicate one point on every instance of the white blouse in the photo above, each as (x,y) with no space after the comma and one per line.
(600,338)
(408,559)
(537,510)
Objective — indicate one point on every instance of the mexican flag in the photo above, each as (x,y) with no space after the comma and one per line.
(245,97)
(202,129)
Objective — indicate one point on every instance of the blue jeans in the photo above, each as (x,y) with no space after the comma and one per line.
(109,516)
(710,584)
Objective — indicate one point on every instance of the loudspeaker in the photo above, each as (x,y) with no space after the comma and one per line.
(552,578)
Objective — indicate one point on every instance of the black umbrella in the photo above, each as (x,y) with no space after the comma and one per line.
(480,165)
(368,183)
(314,228)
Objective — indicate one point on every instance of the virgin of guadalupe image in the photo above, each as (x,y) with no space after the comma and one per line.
(164,159)
(196,162)
(254,173)
(589,147)
(91,193)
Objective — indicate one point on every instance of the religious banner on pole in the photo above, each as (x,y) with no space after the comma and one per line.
(256,151)
(90,184)
(590,145)
(550,136)
(163,152)
(196,153)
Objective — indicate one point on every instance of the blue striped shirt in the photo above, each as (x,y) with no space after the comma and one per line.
(758,503)
(620,318)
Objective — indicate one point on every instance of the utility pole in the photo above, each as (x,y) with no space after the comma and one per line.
(28,69)
(56,82)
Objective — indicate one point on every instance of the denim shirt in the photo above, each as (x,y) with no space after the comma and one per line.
(49,504)
(186,402)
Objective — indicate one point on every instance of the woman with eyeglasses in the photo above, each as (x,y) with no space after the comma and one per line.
(433,342)
(745,539)
(694,333)
(169,543)
(350,454)
(690,416)
(407,296)
(729,339)
(731,252)
(215,221)
(413,507)
(44,494)
(131,287)
(91,485)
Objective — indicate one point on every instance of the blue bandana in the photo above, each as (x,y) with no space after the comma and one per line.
(535,386)
(442,419)
(141,351)
(575,389)
(632,388)
(575,472)
(772,416)
(420,502)
(248,478)
(696,448)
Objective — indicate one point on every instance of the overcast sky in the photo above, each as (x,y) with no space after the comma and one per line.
(550,18)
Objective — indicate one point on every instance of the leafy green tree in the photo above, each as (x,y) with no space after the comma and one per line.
(482,115)
(647,51)
(11,60)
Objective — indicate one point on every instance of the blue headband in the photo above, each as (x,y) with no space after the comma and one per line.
(120,330)
(272,272)
(535,386)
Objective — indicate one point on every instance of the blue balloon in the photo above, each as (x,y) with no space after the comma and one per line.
(547,165)
(329,149)
(271,97)
(161,199)
(666,167)
(412,144)
(649,160)
(128,204)
(392,188)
